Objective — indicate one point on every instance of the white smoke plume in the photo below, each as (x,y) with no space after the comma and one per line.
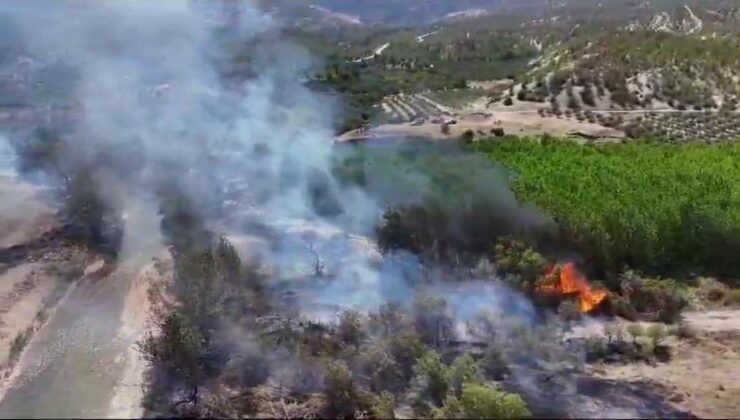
(155,103)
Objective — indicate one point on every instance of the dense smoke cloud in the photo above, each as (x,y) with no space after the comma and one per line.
(160,106)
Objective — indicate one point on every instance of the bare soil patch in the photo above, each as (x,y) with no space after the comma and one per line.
(703,376)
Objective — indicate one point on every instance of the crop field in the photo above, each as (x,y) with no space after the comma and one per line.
(653,206)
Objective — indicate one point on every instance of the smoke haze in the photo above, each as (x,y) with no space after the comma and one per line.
(161,105)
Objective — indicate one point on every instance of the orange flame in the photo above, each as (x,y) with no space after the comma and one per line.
(571,283)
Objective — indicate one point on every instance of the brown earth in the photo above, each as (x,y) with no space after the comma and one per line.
(703,376)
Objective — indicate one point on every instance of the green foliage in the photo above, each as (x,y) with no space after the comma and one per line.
(490,402)
(650,206)
(381,369)
(655,299)
(383,406)
(521,263)
(443,63)
(657,333)
(406,348)
(452,409)
(636,330)
(672,63)
(462,206)
(463,369)
(342,397)
(433,373)
(178,348)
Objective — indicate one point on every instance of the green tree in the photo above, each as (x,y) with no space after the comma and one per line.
(383,406)
(463,370)
(179,350)
(434,375)
(406,348)
(343,399)
(489,402)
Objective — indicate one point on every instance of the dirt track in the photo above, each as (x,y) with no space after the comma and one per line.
(73,365)
(81,361)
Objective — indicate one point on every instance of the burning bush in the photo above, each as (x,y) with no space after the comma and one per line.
(566,282)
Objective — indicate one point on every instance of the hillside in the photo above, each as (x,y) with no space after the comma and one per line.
(379,12)
(630,65)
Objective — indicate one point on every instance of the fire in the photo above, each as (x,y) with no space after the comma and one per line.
(571,283)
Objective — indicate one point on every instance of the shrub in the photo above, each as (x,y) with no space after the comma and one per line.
(508,101)
(463,370)
(406,348)
(381,369)
(636,330)
(468,136)
(342,397)
(515,259)
(647,349)
(490,402)
(18,344)
(383,406)
(656,333)
(658,300)
(349,330)
(713,291)
(178,349)
(452,409)
(434,376)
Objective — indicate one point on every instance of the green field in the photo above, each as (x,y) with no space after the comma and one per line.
(657,207)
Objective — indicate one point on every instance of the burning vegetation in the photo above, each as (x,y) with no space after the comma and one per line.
(565,280)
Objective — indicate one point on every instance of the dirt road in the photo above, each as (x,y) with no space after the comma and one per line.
(74,363)
(83,362)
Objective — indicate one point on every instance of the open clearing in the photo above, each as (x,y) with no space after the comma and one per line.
(703,375)
(522,123)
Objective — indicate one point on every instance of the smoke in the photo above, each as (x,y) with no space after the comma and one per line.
(207,98)
(7,158)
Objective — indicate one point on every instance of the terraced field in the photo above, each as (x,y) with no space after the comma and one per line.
(407,108)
